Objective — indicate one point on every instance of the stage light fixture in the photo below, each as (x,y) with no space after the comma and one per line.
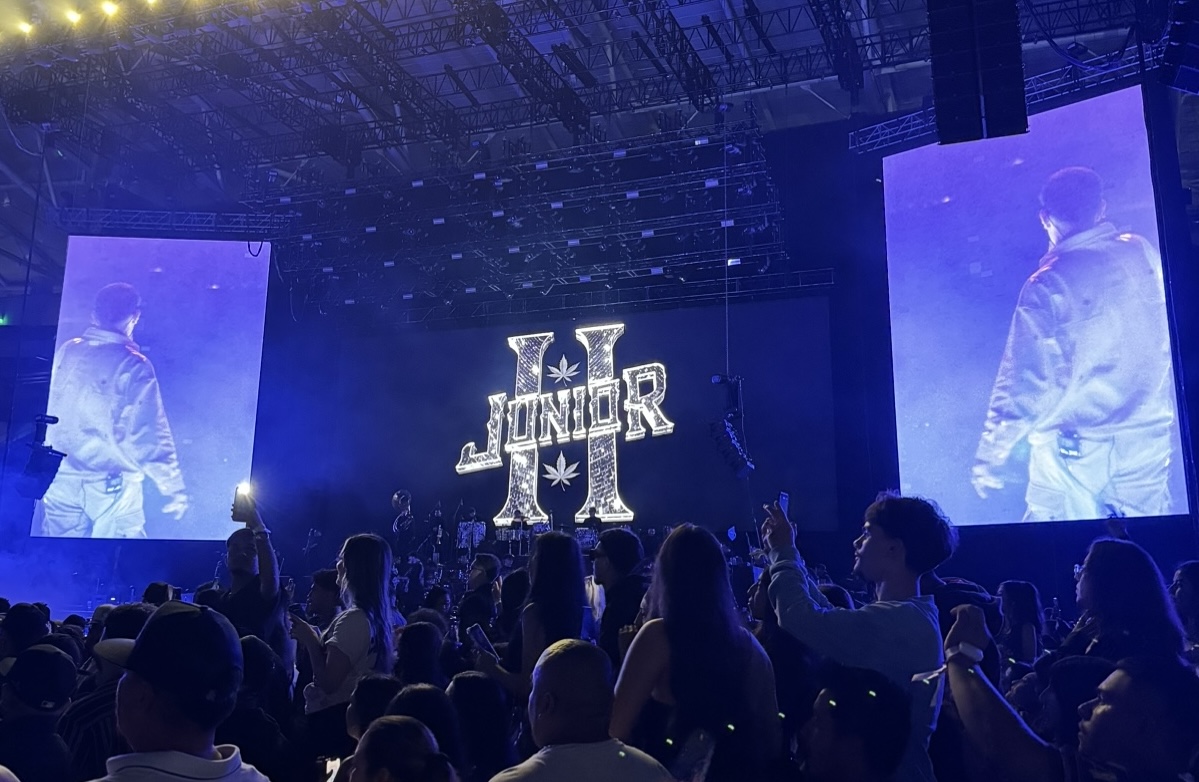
(74,17)
(109,8)
(25,27)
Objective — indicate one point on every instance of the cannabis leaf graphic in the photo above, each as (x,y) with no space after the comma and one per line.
(564,372)
(561,475)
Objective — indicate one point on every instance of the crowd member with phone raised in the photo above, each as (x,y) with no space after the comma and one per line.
(898,635)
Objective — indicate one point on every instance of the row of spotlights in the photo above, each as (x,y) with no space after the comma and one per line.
(108,8)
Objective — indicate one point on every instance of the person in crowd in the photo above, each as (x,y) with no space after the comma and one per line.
(513,594)
(438,599)
(795,667)
(359,641)
(433,708)
(1184,589)
(159,592)
(95,626)
(570,708)
(372,695)
(254,602)
(76,621)
(950,592)
(1086,376)
(1127,611)
(7,776)
(1141,726)
(181,681)
(23,626)
(89,725)
(324,601)
(429,616)
(1072,681)
(859,728)
(250,726)
(552,612)
(482,584)
(615,560)
(5,604)
(418,658)
(1023,623)
(694,667)
(36,691)
(67,644)
(400,749)
(485,714)
(898,635)
(114,428)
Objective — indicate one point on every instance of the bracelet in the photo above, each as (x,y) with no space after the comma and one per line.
(964,652)
(262,533)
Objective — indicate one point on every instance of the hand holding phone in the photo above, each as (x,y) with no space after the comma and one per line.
(479,640)
(784,502)
(245,508)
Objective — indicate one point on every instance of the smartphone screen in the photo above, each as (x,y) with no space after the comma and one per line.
(479,639)
(785,502)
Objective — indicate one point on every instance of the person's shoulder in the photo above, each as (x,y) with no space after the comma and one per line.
(638,766)
(531,769)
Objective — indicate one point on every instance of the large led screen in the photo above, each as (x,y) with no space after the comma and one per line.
(155,385)
(1033,374)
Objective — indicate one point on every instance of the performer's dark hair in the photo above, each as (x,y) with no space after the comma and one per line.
(1074,195)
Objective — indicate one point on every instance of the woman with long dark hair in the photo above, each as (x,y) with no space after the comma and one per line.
(552,612)
(358,642)
(696,665)
(1126,609)
(1023,622)
(418,655)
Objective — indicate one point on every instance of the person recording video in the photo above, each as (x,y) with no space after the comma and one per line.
(113,427)
(1086,375)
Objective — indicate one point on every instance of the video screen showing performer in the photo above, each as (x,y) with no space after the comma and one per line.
(153,335)
(1033,369)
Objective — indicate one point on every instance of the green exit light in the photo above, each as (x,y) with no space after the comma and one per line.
(3,320)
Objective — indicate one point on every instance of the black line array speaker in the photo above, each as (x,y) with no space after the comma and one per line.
(977,68)
(1181,58)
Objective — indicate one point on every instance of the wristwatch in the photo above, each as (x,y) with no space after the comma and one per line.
(964,652)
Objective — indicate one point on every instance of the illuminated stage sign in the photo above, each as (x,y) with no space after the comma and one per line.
(590,411)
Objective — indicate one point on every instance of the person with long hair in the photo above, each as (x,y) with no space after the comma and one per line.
(1184,589)
(358,642)
(1126,609)
(485,713)
(552,612)
(696,671)
(435,711)
(1023,622)
(400,749)
(418,655)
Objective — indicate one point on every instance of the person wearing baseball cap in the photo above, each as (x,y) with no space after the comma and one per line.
(37,688)
(181,679)
(22,627)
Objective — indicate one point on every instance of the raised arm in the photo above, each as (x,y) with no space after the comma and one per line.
(991,724)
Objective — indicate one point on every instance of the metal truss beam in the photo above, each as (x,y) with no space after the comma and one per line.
(831,17)
(676,49)
(526,65)
(1042,90)
(135,221)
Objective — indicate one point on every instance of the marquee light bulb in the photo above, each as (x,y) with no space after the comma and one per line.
(25,27)
(109,8)
(74,16)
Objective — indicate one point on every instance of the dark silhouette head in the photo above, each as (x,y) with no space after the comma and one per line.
(1020,603)
(859,727)
(432,707)
(1074,197)
(401,748)
(372,695)
(485,713)
(117,307)
(418,658)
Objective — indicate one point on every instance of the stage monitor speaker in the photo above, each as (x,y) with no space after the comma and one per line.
(977,69)
(1180,62)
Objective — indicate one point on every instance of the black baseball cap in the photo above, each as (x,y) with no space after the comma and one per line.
(189,652)
(25,624)
(43,678)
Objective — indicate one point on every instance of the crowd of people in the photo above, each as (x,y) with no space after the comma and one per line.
(606,665)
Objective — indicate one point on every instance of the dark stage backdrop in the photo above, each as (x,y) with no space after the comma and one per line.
(394,410)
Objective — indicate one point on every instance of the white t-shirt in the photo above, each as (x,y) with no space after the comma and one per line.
(166,766)
(601,761)
(350,633)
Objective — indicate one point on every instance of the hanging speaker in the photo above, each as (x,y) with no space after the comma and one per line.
(977,69)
